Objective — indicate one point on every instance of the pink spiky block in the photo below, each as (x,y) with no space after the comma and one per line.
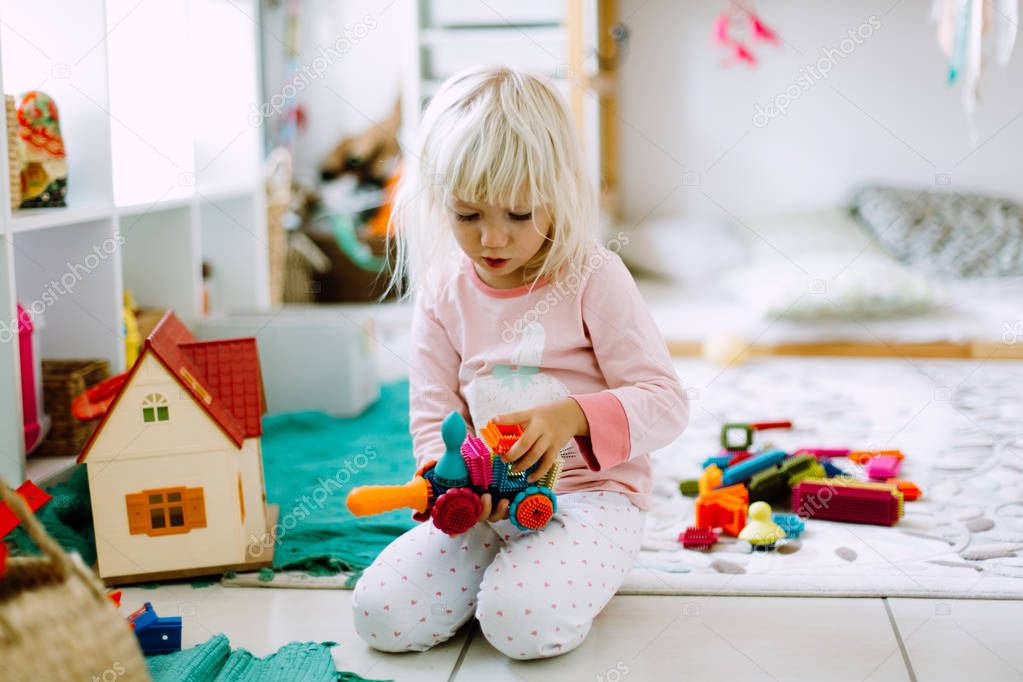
(823,453)
(477,460)
(696,537)
(883,467)
(850,502)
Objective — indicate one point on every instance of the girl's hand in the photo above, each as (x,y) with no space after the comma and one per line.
(545,430)
(490,513)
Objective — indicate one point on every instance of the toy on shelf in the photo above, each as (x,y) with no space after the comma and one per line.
(724,508)
(739,435)
(883,467)
(449,489)
(790,523)
(175,465)
(156,634)
(760,531)
(847,500)
(44,166)
(697,537)
(910,491)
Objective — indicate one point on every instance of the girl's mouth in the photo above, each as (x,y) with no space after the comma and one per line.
(495,263)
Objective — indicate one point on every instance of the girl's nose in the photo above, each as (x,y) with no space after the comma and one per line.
(493,237)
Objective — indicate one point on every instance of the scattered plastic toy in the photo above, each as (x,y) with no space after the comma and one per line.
(835,499)
(739,435)
(760,530)
(790,523)
(723,508)
(696,537)
(449,489)
(156,634)
(883,467)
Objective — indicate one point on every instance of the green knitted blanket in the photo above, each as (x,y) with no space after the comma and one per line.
(213,661)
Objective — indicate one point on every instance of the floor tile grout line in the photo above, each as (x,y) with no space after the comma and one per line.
(898,639)
(464,652)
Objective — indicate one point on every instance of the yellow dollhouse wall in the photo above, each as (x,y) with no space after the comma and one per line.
(187,450)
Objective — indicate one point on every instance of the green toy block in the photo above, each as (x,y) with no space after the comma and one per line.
(735,436)
(689,487)
(768,486)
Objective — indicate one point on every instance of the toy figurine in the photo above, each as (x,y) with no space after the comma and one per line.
(448,490)
(760,530)
(44,166)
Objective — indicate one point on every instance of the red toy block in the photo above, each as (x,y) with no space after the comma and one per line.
(823,453)
(500,437)
(3,559)
(696,537)
(763,426)
(910,491)
(848,501)
(724,508)
(34,497)
(740,456)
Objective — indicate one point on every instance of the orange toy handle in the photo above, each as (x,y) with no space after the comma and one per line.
(376,499)
(95,402)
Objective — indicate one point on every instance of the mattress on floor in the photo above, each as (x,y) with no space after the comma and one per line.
(978,310)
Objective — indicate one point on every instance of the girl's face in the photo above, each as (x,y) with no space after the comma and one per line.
(499,240)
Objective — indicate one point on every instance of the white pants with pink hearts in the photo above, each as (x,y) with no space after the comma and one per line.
(535,594)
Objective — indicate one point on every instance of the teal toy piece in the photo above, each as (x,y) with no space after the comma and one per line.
(451,470)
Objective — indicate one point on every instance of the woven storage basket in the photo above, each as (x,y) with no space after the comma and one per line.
(56,622)
(13,151)
(63,381)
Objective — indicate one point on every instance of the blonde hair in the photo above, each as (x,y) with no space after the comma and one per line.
(498,136)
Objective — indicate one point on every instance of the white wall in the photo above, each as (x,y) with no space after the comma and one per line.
(343,92)
(884,114)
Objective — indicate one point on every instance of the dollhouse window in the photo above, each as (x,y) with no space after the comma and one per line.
(166,511)
(155,409)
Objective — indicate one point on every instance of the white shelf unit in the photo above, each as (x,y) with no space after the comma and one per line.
(446,36)
(164,172)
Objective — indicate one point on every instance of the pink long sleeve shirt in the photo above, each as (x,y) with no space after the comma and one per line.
(588,335)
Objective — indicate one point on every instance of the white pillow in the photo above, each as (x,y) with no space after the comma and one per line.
(683,250)
(832,284)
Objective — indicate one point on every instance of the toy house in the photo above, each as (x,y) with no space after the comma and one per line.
(175,467)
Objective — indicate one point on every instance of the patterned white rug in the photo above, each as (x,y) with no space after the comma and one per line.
(960,425)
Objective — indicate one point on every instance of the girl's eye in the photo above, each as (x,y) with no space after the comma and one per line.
(466,218)
(520,216)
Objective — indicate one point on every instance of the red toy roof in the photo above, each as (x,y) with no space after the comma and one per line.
(222,376)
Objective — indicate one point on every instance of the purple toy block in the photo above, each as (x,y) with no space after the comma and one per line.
(883,467)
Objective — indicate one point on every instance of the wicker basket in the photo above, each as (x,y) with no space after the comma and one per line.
(63,381)
(13,151)
(56,622)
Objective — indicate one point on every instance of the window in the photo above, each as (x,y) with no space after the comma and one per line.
(155,409)
(167,511)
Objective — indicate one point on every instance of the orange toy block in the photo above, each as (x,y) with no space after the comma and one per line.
(500,437)
(864,456)
(724,508)
(910,491)
(710,479)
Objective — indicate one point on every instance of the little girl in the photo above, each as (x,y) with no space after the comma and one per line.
(521,317)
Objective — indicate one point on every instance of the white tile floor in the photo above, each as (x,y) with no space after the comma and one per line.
(647,638)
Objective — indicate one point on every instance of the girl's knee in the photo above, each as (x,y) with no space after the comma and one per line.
(521,629)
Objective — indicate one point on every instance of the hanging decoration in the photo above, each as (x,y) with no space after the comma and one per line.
(737,28)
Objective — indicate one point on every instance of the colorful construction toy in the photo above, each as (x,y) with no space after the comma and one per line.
(837,499)
(790,523)
(724,508)
(449,489)
(696,537)
(883,467)
(156,634)
(720,461)
(760,530)
(743,471)
(863,456)
(910,491)
(709,479)
(690,487)
(739,435)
